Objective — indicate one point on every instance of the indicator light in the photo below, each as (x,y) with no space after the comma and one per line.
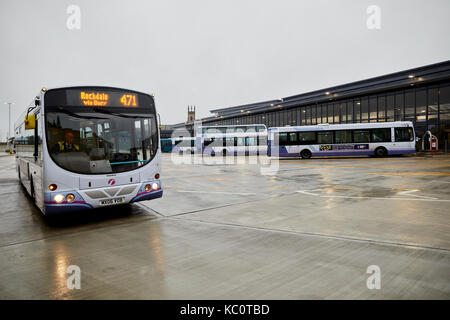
(157,176)
(52,187)
(70,197)
(148,187)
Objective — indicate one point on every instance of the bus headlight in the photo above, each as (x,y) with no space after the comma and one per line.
(58,198)
(70,197)
(155,185)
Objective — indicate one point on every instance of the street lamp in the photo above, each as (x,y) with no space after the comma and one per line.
(9,128)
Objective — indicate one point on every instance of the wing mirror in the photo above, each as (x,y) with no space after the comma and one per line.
(30,121)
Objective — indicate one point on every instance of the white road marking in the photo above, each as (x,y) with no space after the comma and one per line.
(307,192)
(440,181)
(408,193)
(215,192)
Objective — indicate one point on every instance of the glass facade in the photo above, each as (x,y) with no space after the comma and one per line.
(428,107)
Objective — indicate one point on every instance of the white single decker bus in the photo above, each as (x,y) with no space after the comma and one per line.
(250,139)
(87,147)
(369,139)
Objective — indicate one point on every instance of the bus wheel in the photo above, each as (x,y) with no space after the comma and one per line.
(305,154)
(381,152)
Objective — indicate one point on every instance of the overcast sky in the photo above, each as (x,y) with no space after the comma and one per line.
(211,53)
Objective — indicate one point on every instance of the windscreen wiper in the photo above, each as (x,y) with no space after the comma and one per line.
(119,114)
(75,115)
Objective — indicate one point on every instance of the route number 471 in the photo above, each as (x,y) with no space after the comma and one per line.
(128,100)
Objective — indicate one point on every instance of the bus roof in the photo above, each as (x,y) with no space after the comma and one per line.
(327,126)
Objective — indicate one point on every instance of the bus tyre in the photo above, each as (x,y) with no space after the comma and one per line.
(305,154)
(381,152)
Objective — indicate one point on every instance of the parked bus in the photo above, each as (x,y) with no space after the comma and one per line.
(166,145)
(377,139)
(87,147)
(183,145)
(232,140)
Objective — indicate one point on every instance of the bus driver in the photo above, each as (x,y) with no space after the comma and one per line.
(67,144)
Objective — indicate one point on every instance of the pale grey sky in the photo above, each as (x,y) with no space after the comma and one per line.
(211,53)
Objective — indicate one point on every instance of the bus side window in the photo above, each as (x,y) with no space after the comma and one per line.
(307,137)
(380,135)
(403,134)
(360,136)
(293,138)
(325,137)
(343,136)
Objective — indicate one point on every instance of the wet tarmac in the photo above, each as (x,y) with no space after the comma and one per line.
(292,229)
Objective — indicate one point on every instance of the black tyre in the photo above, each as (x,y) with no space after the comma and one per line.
(305,154)
(381,152)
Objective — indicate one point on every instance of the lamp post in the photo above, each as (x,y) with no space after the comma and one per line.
(9,121)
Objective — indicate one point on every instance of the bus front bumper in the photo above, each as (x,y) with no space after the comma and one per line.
(52,207)
(81,200)
(148,195)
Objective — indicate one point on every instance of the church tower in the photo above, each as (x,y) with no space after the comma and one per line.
(191,113)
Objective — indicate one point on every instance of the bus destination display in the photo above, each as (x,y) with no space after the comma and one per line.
(90,98)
